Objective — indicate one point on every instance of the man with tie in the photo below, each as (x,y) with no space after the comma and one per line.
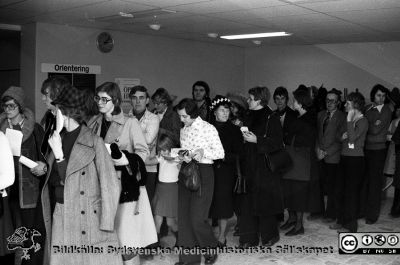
(379,117)
(328,149)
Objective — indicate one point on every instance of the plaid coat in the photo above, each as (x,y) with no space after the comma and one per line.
(91,195)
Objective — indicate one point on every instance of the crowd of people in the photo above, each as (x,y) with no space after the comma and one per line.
(102,177)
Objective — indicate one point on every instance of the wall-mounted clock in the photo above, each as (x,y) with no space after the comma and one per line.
(105,42)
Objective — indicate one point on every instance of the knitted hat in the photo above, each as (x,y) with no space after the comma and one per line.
(71,98)
(238,99)
(218,101)
(16,93)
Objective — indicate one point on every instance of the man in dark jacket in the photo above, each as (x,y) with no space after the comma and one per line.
(329,122)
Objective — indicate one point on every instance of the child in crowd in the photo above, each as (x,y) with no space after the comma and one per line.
(165,202)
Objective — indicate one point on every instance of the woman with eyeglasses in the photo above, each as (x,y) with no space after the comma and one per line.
(115,127)
(24,193)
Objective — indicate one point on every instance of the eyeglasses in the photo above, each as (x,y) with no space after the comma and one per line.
(102,100)
(158,102)
(11,106)
(331,101)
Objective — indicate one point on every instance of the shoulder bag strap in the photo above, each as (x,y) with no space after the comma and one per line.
(267,127)
(239,172)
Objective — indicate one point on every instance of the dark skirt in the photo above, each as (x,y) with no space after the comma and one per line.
(165,202)
(6,226)
(396,177)
(296,194)
(224,181)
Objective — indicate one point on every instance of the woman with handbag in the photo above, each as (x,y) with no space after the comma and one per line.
(224,169)
(134,230)
(204,146)
(296,182)
(263,200)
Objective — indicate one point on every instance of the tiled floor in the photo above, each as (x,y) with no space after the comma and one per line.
(316,234)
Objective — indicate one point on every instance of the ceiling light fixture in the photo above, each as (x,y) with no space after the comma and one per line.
(155,26)
(10,27)
(123,14)
(212,35)
(256,35)
(257,42)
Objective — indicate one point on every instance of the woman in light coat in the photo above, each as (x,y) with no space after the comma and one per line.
(87,190)
(112,125)
(7,177)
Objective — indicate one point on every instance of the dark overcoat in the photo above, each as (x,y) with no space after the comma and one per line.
(225,170)
(264,186)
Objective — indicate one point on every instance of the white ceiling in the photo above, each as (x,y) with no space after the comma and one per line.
(310,21)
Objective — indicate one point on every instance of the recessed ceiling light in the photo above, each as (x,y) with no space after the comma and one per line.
(256,35)
(10,27)
(123,14)
(212,35)
(155,26)
(257,42)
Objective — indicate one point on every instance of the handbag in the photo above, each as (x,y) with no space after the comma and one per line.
(279,161)
(240,185)
(190,175)
(301,163)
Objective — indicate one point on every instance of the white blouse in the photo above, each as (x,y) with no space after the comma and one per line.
(201,134)
(168,171)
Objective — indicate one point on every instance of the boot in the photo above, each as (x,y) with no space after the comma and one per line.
(176,237)
(395,211)
(133,261)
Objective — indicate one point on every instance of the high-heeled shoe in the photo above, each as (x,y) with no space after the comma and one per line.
(221,244)
(288,224)
(210,259)
(294,231)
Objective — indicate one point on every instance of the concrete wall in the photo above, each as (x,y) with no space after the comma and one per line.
(156,61)
(176,64)
(28,64)
(351,65)
(10,59)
